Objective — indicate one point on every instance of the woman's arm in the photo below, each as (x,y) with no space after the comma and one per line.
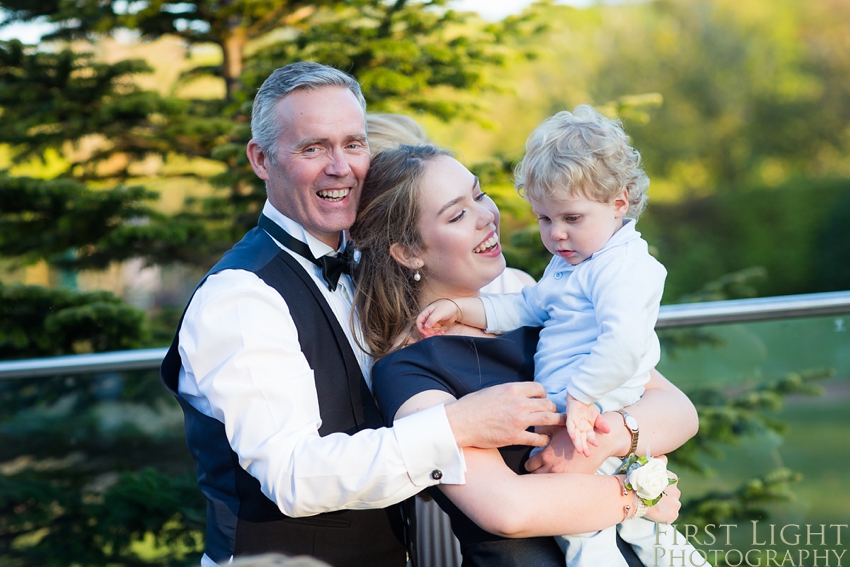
(666,417)
(511,505)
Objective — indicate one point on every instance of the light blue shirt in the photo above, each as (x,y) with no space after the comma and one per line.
(598,341)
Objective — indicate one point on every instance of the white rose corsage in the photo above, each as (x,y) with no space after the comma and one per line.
(647,476)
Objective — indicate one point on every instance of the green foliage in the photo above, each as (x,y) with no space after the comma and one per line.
(66,96)
(89,526)
(752,91)
(527,252)
(82,218)
(746,502)
(95,472)
(45,220)
(831,269)
(402,53)
(37,321)
(754,95)
(791,232)
(725,417)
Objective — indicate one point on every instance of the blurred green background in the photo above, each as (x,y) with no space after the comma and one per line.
(123,178)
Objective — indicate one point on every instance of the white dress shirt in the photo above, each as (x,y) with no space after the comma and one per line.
(243,366)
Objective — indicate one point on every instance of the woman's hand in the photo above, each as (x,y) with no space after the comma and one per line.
(666,510)
(560,454)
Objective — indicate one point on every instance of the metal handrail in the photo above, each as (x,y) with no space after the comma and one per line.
(758,309)
(115,361)
(681,315)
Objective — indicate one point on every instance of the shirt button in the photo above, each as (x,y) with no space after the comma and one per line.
(436,474)
(559,275)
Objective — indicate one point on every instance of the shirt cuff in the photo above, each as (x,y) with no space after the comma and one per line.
(495,324)
(580,395)
(429,449)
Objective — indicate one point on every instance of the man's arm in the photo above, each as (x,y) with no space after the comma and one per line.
(243,366)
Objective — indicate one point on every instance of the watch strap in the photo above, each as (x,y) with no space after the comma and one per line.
(635,433)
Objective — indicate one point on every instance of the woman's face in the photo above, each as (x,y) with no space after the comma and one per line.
(459,232)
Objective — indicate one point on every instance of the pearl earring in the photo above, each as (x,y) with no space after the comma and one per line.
(416,276)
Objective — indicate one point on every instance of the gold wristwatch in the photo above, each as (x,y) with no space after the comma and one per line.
(632,426)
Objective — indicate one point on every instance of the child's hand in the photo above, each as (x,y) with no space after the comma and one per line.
(580,420)
(437,317)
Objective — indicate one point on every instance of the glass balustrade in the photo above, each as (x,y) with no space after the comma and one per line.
(739,360)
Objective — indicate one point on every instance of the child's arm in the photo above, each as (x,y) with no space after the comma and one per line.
(441,314)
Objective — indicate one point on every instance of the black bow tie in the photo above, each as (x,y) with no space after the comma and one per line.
(332,266)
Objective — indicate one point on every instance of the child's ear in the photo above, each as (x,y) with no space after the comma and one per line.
(621,203)
(404,256)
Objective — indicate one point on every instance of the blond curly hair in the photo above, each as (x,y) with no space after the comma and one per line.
(582,153)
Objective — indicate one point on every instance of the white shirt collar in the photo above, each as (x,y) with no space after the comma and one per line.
(317,247)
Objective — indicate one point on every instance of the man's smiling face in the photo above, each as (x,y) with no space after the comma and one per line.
(321,161)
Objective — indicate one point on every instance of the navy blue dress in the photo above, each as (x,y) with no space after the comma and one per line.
(460,365)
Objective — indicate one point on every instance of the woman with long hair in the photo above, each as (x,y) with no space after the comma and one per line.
(425,233)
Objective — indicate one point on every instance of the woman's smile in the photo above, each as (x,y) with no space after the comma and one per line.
(489,246)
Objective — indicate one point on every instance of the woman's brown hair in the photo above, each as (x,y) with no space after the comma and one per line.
(386,296)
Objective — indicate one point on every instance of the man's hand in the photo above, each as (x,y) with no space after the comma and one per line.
(499,416)
(561,455)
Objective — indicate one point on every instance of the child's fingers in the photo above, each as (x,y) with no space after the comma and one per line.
(427,320)
(421,319)
(573,432)
(578,438)
(427,332)
(580,447)
(434,317)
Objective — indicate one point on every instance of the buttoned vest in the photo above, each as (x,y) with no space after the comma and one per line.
(241,520)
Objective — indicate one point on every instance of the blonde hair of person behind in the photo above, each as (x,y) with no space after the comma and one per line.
(582,153)
(386,297)
(387,131)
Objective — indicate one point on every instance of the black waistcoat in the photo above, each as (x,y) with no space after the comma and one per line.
(241,520)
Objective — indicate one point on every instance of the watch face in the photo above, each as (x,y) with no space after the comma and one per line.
(631,422)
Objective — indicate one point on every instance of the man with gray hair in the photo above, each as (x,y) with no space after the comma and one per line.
(287,439)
